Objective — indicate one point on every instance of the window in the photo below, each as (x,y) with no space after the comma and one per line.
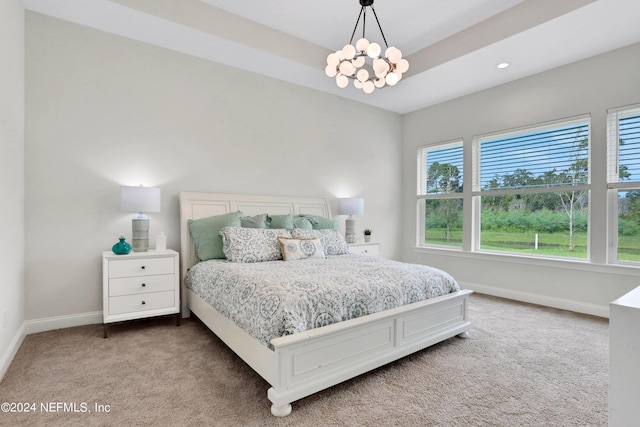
(623,176)
(531,189)
(440,181)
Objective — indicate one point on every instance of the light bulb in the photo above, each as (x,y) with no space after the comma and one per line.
(363,75)
(348,51)
(357,83)
(330,70)
(380,67)
(362,44)
(346,68)
(393,54)
(358,62)
(402,66)
(379,83)
(342,81)
(391,79)
(373,50)
(333,59)
(368,87)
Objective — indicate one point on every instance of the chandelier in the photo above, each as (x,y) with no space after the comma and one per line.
(350,61)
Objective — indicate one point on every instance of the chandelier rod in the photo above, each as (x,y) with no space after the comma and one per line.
(363,11)
(379,26)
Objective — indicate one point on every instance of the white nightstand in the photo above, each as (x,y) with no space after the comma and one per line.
(365,248)
(139,285)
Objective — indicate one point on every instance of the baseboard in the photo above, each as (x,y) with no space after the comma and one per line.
(563,304)
(61,322)
(13,348)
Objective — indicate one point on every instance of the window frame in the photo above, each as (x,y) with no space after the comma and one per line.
(422,190)
(477,191)
(614,185)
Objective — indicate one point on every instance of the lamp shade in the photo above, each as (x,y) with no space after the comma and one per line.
(350,206)
(140,199)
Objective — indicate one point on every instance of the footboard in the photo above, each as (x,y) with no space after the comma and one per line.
(320,358)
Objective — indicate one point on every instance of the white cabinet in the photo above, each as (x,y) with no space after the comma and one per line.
(624,356)
(367,248)
(139,285)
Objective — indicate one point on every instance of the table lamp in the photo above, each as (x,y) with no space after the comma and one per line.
(140,199)
(349,206)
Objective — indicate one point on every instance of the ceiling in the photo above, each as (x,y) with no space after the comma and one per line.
(453,46)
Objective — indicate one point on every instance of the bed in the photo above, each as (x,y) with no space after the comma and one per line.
(304,362)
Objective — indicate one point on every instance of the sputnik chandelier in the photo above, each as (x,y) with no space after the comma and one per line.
(350,61)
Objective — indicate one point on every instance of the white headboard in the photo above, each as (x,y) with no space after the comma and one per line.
(202,205)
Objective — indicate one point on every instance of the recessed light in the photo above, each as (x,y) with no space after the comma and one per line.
(503,65)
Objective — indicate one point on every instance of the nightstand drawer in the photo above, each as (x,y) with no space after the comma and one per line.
(370,250)
(141,284)
(140,267)
(143,302)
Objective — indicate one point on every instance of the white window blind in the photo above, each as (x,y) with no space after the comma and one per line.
(551,155)
(440,169)
(623,141)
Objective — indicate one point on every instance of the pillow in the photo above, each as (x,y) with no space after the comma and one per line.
(280,221)
(252,244)
(258,221)
(332,241)
(205,234)
(303,223)
(295,249)
(321,222)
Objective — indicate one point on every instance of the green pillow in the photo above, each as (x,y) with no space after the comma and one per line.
(303,223)
(206,234)
(258,221)
(323,223)
(280,221)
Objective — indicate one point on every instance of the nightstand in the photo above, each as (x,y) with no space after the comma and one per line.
(365,248)
(139,285)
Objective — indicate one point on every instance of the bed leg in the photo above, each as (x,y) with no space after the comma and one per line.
(464,334)
(281,411)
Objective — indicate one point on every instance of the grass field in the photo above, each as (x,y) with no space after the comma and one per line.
(550,244)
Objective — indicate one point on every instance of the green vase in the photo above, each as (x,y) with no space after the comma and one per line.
(122,247)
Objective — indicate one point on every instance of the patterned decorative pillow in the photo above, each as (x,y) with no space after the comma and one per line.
(294,249)
(332,241)
(252,244)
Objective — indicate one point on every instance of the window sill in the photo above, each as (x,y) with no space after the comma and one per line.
(564,263)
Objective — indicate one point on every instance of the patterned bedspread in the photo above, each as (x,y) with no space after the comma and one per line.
(277,298)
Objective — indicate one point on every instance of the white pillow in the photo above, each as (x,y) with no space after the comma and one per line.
(295,249)
(252,244)
(332,241)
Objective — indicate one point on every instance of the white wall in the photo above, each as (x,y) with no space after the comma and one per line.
(590,86)
(11,179)
(104,111)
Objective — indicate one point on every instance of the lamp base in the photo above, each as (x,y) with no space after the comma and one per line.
(140,239)
(350,234)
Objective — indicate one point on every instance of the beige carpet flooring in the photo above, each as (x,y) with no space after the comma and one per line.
(523,365)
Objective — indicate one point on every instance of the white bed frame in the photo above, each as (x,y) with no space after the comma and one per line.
(307,362)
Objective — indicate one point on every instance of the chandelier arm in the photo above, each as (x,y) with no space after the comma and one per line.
(381,32)
(356,27)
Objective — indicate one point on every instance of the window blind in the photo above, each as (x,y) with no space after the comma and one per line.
(547,156)
(624,145)
(441,169)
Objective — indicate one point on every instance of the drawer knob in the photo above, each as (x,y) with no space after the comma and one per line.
(144,284)
(143,303)
(142,267)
